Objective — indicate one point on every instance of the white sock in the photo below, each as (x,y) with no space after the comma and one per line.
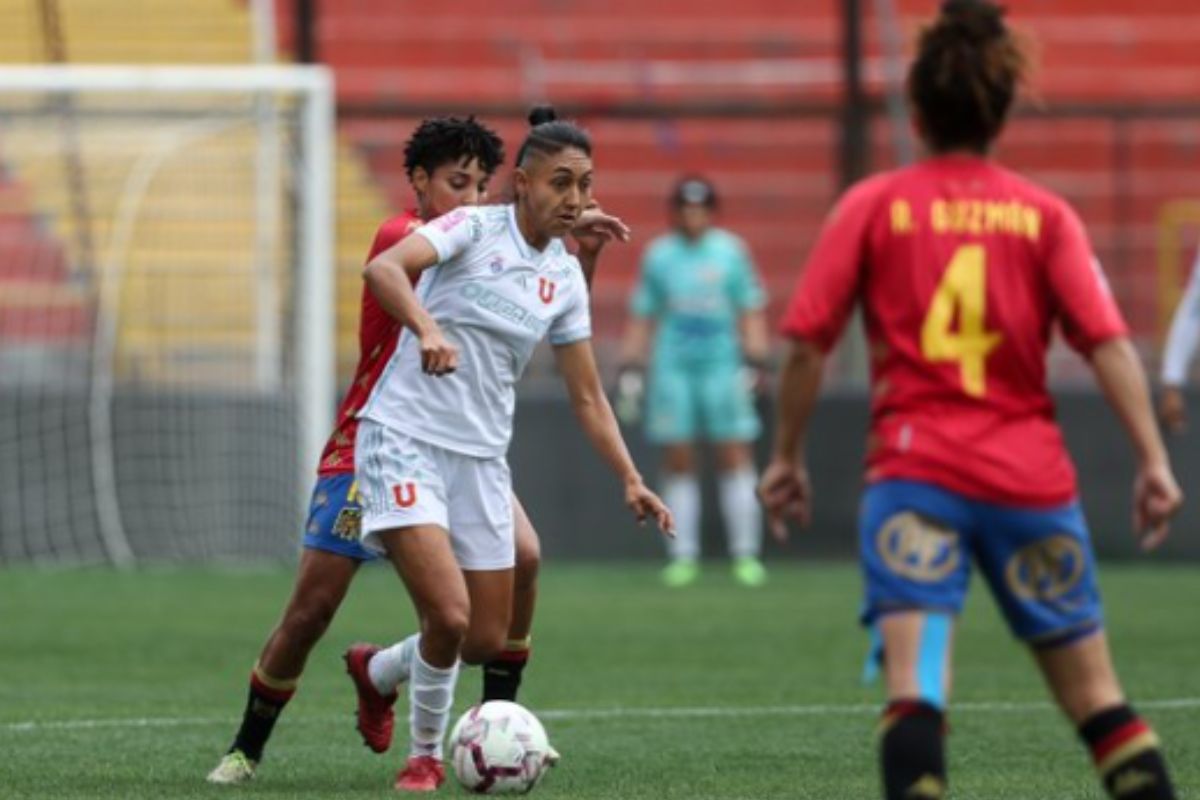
(743,517)
(391,667)
(430,696)
(681,493)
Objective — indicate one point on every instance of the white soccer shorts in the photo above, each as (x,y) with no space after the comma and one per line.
(404,482)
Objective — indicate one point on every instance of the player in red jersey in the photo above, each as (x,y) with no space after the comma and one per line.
(962,269)
(449,162)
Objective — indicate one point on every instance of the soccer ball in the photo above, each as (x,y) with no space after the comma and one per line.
(499,748)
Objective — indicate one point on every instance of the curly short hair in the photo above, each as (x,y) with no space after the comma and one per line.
(448,140)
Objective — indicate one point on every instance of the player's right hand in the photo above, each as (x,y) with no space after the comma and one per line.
(786,495)
(1172,409)
(1156,498)
(438,356)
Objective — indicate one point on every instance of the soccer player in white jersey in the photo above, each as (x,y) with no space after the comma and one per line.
(449,162)
(1178,354)
(430,454)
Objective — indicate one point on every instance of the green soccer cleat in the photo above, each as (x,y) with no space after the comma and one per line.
(234,768)
(680,573)
(749,571)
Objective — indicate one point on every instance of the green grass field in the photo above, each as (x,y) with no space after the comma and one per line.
(129,686)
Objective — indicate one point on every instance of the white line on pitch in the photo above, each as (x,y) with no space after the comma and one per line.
(818,710)
(822,710)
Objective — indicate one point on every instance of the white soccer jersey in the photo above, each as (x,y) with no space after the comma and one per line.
(495,298)
(1185,332)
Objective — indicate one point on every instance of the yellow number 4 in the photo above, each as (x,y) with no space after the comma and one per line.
(963,289)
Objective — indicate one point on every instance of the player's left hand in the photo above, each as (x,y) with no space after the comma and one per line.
(1156,498)
(645,505)
(596,228)
(786,495)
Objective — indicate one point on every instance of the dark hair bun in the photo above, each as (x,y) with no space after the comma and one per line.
(978,21)
(540,115)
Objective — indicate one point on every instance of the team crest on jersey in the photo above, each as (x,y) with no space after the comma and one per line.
(348,524)
(405,494)
(546,289)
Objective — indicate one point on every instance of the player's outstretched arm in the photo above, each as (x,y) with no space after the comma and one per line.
(389,276)
(577,364)
(784,488)
(1156,494)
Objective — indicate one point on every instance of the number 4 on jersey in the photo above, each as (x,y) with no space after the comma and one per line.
(963,289)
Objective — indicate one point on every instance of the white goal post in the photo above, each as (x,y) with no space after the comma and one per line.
(167,375)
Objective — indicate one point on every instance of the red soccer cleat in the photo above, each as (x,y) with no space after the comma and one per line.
(421,774)
(375,718)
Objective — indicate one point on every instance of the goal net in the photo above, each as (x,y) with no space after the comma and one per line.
(166,310)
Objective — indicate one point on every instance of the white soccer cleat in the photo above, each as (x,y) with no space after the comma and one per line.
(234,768)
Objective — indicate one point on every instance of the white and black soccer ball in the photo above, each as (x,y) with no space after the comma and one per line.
(499,748)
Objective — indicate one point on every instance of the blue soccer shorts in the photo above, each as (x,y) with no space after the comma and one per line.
(917,542)
(335,518)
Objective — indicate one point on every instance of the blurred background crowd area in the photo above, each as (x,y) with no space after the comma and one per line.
(779,102)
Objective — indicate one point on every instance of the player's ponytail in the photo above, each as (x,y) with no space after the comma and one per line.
(965,76)
(549,135)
